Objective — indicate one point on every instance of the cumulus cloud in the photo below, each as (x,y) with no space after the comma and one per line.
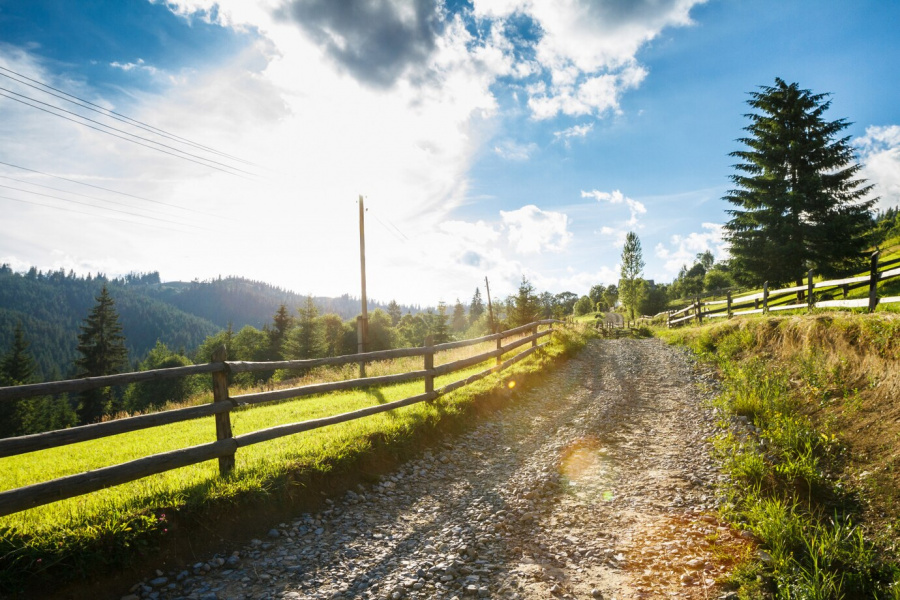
(617,197)
(683,249)
(587,49)
(879,152)
(376,41)
(532,230)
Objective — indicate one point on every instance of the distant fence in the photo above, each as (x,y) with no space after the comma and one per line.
(226,444)
(814,295)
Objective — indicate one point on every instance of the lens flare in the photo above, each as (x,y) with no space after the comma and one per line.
(511,384)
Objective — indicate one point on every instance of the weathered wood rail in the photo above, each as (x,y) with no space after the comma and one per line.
(226,445)
(788,298)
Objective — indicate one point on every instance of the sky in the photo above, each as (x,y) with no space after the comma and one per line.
(489,138)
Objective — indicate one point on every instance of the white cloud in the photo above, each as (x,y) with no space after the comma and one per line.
(880,158)
(617,197)
(510,150)
(532,230)
(588,49)
(576,131)
(140,65)
(683,249)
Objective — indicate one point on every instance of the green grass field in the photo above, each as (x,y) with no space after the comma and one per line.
(70,532)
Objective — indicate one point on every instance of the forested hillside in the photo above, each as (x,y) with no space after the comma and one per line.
(51,306)
(244,302)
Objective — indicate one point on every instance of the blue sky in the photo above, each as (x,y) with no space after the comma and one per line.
(498,138)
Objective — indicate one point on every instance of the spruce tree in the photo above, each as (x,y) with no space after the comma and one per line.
(102,349)
(525,307)
(16,368)
(282,322)
(459,321)
(630,272)
(395,313)
(798,203)
(476,308)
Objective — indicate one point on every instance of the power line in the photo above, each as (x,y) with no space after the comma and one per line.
(48,187)
(122,131)
(97,187)
(386,228)
(104,208)
(81,212)
(113,114)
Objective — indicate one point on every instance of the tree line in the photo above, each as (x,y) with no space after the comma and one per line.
(303,332)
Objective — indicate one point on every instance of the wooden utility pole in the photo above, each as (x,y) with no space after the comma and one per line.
(490,306)
(363,323)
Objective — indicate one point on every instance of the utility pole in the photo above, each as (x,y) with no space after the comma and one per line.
(362,325)
(490,306)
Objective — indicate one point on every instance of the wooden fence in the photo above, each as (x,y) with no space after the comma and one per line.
(808,296)
(226,444)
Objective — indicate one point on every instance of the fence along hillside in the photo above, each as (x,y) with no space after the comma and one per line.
(226,444)
(813,294)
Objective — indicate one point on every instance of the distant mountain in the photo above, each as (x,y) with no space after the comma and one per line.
(51,306)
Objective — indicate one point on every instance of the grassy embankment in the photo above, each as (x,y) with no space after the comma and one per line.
(813,457)
(77,538)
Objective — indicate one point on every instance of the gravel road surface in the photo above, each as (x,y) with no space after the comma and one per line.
(596,484)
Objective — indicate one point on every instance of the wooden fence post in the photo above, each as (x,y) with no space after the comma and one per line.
(534,331)
(429,364)
(699,311)
(873,282)
(728,304)
(809,290)
(499,356)
(223,420)
(765,297)
(360,340)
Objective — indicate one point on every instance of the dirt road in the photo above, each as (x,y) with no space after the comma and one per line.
(596,484)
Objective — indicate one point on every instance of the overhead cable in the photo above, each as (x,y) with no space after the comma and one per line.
(111,113)
(181,153)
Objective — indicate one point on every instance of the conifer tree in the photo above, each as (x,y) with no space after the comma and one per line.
(525,306)
(440,331)
(459,321)
(305,340)
(282,321)
(102,349)
(16,368)
(630,272)
(476,307)
(798,203)
(395,312)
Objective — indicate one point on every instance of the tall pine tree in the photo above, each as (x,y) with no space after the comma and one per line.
(476,308)
(16,368)
(798,203)
(102,349)
(630,272)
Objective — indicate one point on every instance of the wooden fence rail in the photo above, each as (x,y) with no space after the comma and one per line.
(226,445)
(798,297)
